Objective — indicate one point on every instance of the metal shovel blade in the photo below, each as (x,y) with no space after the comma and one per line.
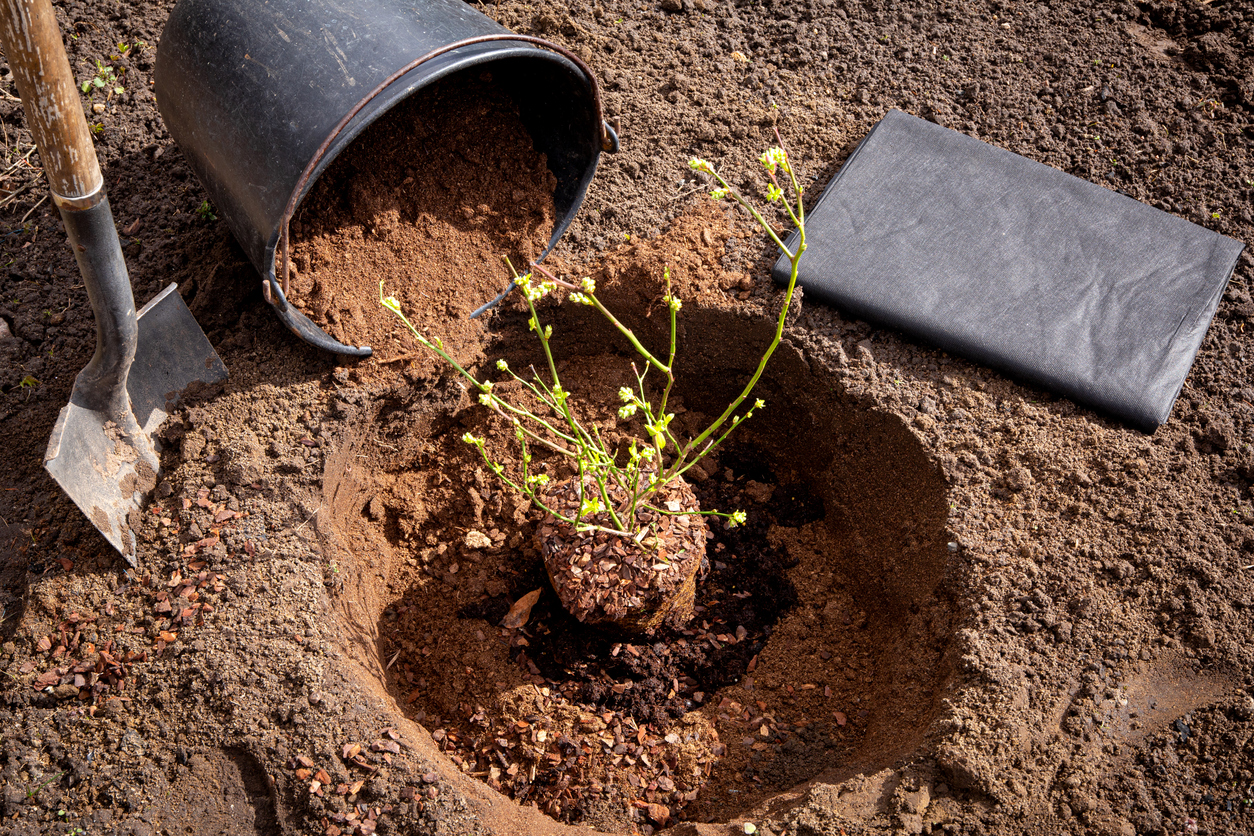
(92,459)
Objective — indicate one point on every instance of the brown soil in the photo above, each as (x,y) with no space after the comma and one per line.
(1077,661)
(769,686)
(430,201)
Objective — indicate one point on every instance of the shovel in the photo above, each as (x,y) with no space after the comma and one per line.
(101,451)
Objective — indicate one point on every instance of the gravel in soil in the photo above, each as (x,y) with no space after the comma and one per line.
(1079,663)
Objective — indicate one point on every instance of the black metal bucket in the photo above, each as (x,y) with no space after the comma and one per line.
(261,96)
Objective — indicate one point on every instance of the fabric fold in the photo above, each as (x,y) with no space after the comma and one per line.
(1008,262)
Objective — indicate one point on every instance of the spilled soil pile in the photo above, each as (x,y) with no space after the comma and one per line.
(430,200)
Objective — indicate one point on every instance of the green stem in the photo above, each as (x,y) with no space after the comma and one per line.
(535,500)
(623,329)
(670,360)
(794,259)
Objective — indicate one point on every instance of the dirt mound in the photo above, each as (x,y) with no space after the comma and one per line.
(431,201)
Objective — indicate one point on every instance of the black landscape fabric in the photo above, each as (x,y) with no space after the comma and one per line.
(1011,263)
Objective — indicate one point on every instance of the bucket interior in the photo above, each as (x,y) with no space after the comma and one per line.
(554,101)
(436,200)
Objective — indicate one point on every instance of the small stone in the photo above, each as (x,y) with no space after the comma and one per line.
(1245,707)
(916,802)
(477,540)
(65,691)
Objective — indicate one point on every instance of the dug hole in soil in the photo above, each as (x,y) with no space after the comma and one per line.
(312,641)
(819,635)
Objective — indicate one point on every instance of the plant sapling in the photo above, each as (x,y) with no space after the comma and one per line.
(623,537)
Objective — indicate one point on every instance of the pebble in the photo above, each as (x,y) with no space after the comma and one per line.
(65,691)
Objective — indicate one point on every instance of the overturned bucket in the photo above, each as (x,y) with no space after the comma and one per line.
(262,96)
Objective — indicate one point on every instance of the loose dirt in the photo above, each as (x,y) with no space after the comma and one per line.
(430,201)
(1016,615)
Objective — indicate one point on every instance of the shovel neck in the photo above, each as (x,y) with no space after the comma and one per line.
(101,386)
(74,203)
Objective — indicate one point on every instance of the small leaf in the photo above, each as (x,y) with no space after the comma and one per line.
(521,611)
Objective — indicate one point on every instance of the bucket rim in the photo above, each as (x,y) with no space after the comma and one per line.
(275,286)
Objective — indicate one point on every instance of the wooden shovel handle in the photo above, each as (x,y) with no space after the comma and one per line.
(54,110)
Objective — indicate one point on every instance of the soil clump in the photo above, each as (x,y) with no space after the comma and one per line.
(615,581)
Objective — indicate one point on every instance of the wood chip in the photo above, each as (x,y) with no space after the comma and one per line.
(520,612)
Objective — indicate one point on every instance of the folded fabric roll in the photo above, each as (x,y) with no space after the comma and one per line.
(1011,263)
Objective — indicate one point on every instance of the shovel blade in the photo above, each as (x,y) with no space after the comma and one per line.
(101,471)
(92,460)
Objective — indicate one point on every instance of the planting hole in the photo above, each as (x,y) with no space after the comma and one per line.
(821,624)
(816,651)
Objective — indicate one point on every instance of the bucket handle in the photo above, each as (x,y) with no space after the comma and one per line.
(609,139)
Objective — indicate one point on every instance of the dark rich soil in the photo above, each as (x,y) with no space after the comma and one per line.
(1079,661)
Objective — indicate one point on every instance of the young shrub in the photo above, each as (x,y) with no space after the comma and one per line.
(623,539)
